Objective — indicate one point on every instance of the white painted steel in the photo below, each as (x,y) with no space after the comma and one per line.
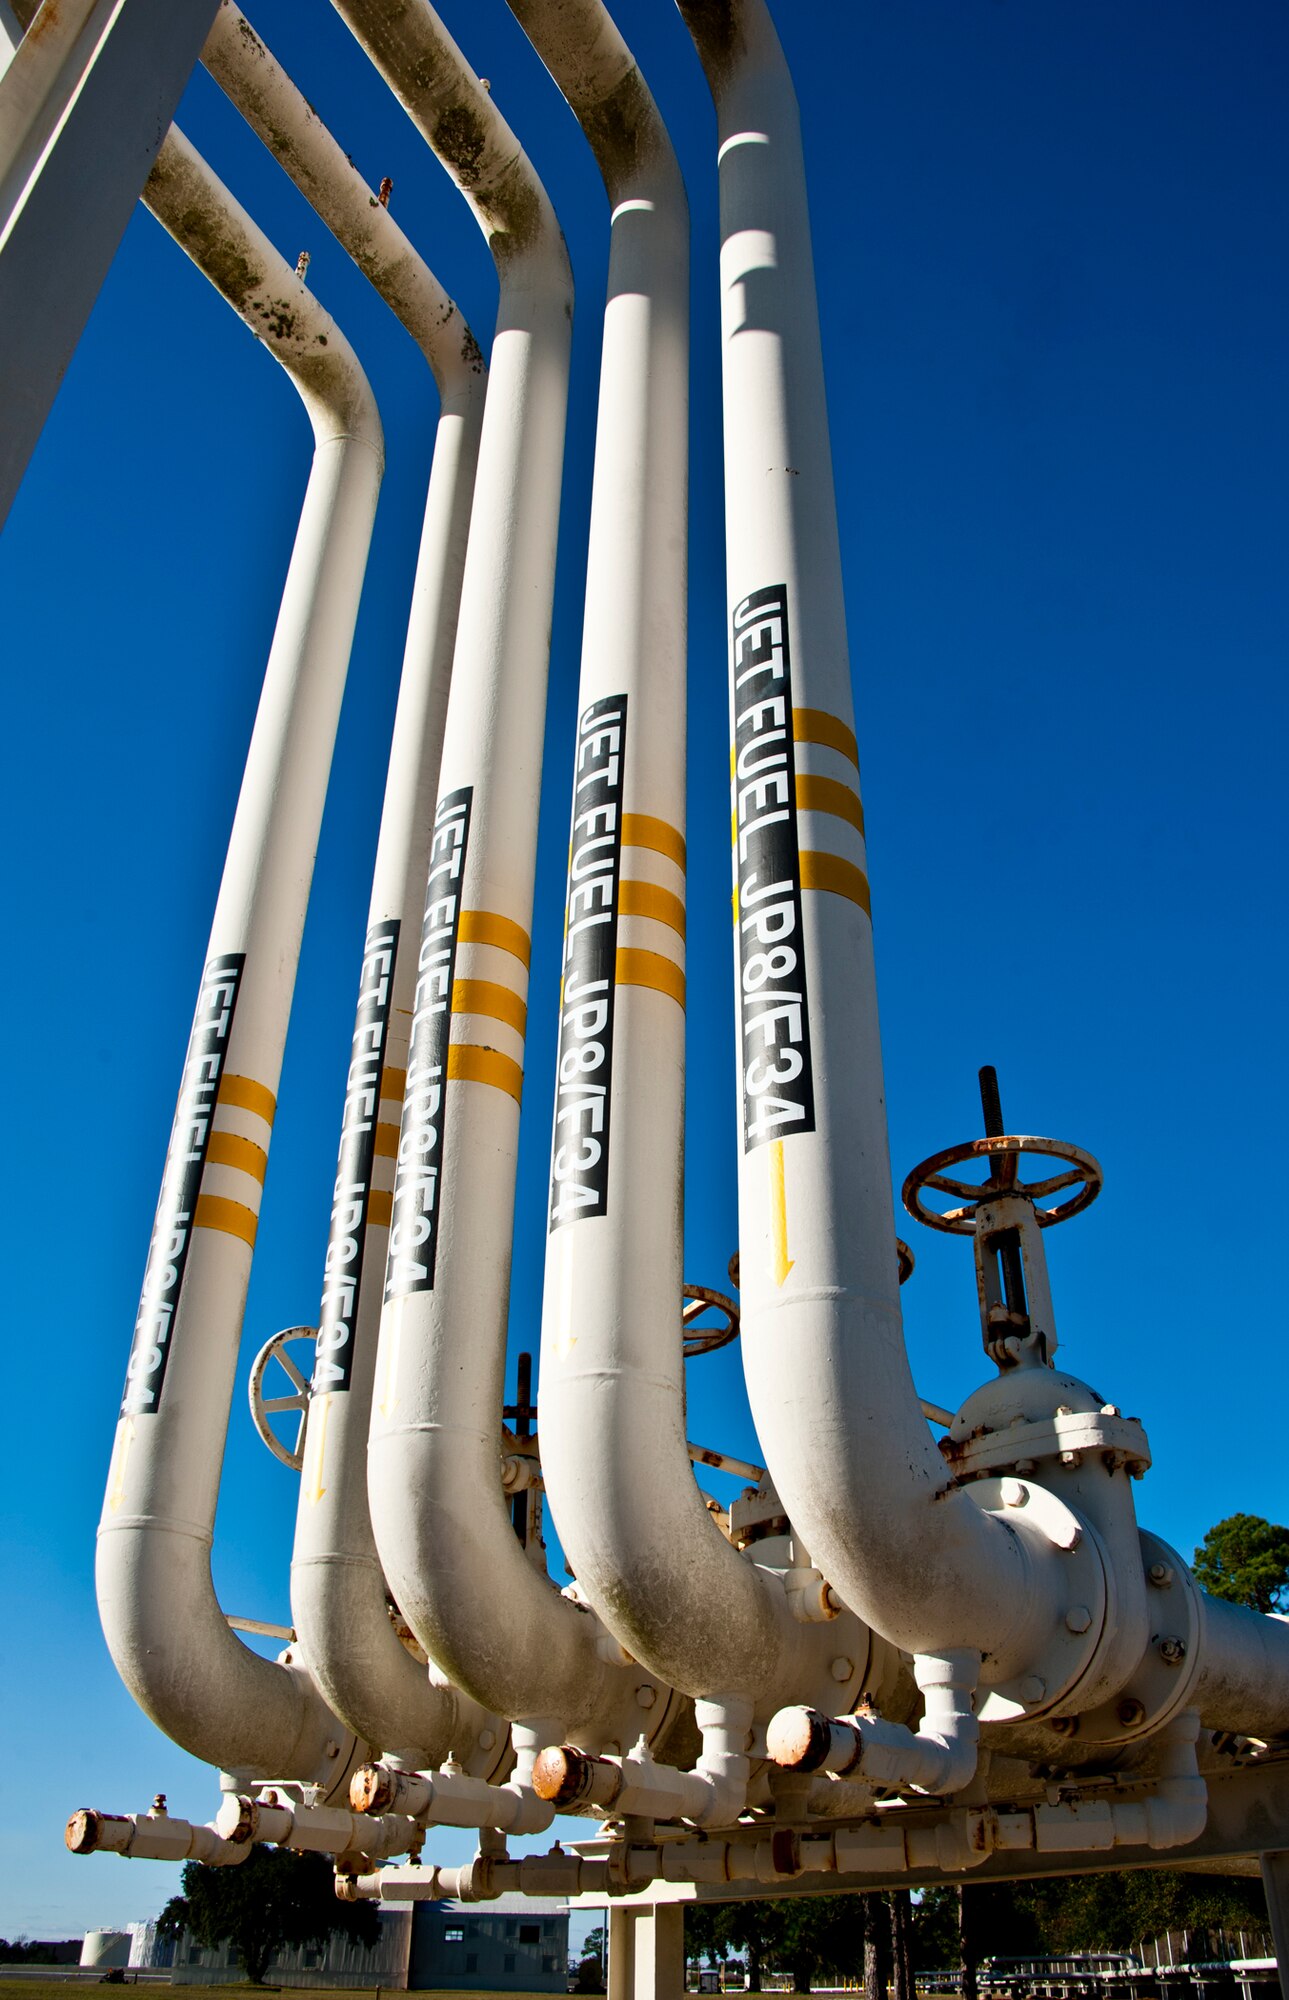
(84,104)
(939,1756)
(637,1532)
(443,1529)
(337,1585)
(828,1376)
(153,1836)
(163,1624)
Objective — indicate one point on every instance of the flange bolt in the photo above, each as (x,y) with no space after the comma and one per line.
(1172,1650)
(1131,1712)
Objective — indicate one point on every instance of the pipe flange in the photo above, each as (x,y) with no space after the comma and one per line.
(1032,1510)
(1160,1684)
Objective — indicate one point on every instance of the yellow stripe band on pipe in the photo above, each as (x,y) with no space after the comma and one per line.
(386,1142)
(380,1206)
(481,996)
(825,795)
(842,878)
(213,1212)
(649,968)
(485,927)
(815,725)
(393,1083)
(228,1149)
(646,899)
(468,1064)
(247,1095)
(640,830)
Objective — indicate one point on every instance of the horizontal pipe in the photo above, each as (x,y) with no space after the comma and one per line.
(153,1836)
(939,1756)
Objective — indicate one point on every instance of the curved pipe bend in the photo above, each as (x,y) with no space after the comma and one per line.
(160,1616)
(338,1594)
(828,1376)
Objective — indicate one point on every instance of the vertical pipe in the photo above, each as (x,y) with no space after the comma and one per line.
(156,1599)
(827,1372)
(615,1460)
(443,1529)
(338,1597)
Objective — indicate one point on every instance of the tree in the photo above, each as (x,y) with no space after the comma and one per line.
(587,1972)
(802,1936)
(1245,1560)
(271,1899)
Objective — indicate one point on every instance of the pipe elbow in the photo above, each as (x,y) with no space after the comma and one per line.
(194,207)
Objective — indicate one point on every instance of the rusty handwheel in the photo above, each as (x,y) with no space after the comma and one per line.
(700,1299)
(1001,1156)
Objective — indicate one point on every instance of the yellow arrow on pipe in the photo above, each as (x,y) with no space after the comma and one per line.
(565,1338)
(779,1214)
(116,1471)
(389,1347)
(315,1446)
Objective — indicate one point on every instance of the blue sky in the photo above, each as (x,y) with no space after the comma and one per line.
(1050,241)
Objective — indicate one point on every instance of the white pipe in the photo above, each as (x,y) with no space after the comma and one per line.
(631,1519)
(957,1840)
(306,1829)
(476,1603)
(337,1584)
(1243,1678)
(152,1836)
(712,1794)
(939,1756)
(828,1376)
(163,1624)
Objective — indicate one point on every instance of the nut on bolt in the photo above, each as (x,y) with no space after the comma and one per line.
(1131,1712)
(1160,1574)
(1173,1651)
(1013,1493)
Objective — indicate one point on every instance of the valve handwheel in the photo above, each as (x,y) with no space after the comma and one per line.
(699,1299)
(263,1407)
(1003,1157)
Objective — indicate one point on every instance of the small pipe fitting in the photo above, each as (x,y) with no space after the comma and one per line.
(939,1757)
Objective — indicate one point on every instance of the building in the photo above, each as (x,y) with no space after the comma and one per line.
(518,1944)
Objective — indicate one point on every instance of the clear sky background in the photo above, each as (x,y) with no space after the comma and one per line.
(1051,250)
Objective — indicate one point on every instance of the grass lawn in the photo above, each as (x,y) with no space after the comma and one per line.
(57,1989)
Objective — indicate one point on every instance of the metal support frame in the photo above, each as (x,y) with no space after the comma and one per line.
(646,1951)
(84,105)
(1275,1882)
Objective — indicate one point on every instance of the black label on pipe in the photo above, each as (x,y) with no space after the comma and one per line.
(580,1144)
(414,1227)
(774,1024)
(346,1241)
(181,1183)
